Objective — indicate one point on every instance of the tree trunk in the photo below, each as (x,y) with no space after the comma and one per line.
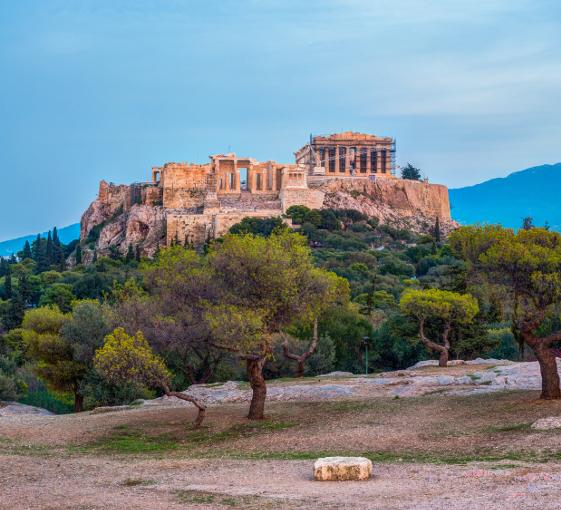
(78,402)
(198,404)
(548,369)
(259,387)
(443,359)
(300,368)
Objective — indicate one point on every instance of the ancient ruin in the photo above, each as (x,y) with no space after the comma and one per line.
(190,203)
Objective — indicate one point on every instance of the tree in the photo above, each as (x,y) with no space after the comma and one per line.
(8,283)
(437,233)
(59,294)
(264,285)
(63,345)
(126,359)
(528,263)
(54,355)
(528,223)
(447,309)
(78,254)
(26,252)
(130,254)
(301,358)
(410,172)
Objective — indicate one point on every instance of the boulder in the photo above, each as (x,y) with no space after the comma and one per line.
(342,469)
(550,423)
(17,409)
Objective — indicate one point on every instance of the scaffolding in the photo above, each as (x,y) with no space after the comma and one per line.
(393,165)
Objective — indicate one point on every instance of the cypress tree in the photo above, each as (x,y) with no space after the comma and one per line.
(8,283)
(130,254)
(94,259)
(3,266)
(26,252)
(437,234)
(78,254)
(36,248)
(49,250)
(137,253)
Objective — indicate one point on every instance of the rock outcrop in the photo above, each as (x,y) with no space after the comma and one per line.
(190,204)
(400,202)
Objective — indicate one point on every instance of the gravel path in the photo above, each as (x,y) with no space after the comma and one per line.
(93,483)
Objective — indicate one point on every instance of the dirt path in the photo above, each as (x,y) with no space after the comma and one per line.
(94,483)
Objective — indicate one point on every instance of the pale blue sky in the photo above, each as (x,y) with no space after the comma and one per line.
(107,88)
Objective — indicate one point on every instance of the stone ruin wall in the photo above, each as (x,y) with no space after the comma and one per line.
(192,203)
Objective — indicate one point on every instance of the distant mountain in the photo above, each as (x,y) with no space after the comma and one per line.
(65,234)
(532,192)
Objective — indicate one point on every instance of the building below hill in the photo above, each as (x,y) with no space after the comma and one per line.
(191,203)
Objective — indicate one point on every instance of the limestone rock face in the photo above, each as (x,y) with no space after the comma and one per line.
(402,203)
(183,208)
(342,469)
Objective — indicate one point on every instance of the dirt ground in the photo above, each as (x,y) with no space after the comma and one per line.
(429,452)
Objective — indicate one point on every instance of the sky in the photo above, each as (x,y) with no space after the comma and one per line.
(106,89)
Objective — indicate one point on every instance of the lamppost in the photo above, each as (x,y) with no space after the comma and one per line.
(366,339)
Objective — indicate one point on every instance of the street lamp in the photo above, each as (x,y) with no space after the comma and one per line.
(366,339)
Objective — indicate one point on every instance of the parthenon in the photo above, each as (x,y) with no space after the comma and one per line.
(348,154)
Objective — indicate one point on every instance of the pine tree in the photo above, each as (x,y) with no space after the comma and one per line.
(78,254)
(26,252)
(49,250)
(8,283)
(437,233)
(130,254)
(36,248)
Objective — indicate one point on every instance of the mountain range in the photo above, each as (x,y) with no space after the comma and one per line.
(507,200)
(532,192)
(65,234)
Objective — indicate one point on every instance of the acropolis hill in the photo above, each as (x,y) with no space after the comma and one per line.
(192,203)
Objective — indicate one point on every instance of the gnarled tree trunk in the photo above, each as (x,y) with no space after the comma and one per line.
(78,402)
(301,359)
(199,405)
(548,369)
(444,349)
(254,367)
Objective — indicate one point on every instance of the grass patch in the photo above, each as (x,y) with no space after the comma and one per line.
(408,457)
(126,441)
(511,427)
(221,500)
(135,482)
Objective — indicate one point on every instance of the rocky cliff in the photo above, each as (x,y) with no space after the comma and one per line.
(414,205)
(124,216)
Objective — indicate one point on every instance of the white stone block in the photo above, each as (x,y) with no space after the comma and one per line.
(342,468)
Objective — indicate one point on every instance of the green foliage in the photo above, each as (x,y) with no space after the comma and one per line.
(411,172)
(59,295)
(441,304)
(258,226)
(129,360)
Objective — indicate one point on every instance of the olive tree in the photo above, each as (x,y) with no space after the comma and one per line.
(448,309)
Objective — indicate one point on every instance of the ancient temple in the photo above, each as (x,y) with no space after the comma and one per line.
(348,154)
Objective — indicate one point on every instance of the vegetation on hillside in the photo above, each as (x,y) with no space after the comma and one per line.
(245,307)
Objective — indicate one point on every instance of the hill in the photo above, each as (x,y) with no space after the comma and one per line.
(66,234)
(531,192)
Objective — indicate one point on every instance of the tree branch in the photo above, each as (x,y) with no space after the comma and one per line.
(200,406)
(427,341)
